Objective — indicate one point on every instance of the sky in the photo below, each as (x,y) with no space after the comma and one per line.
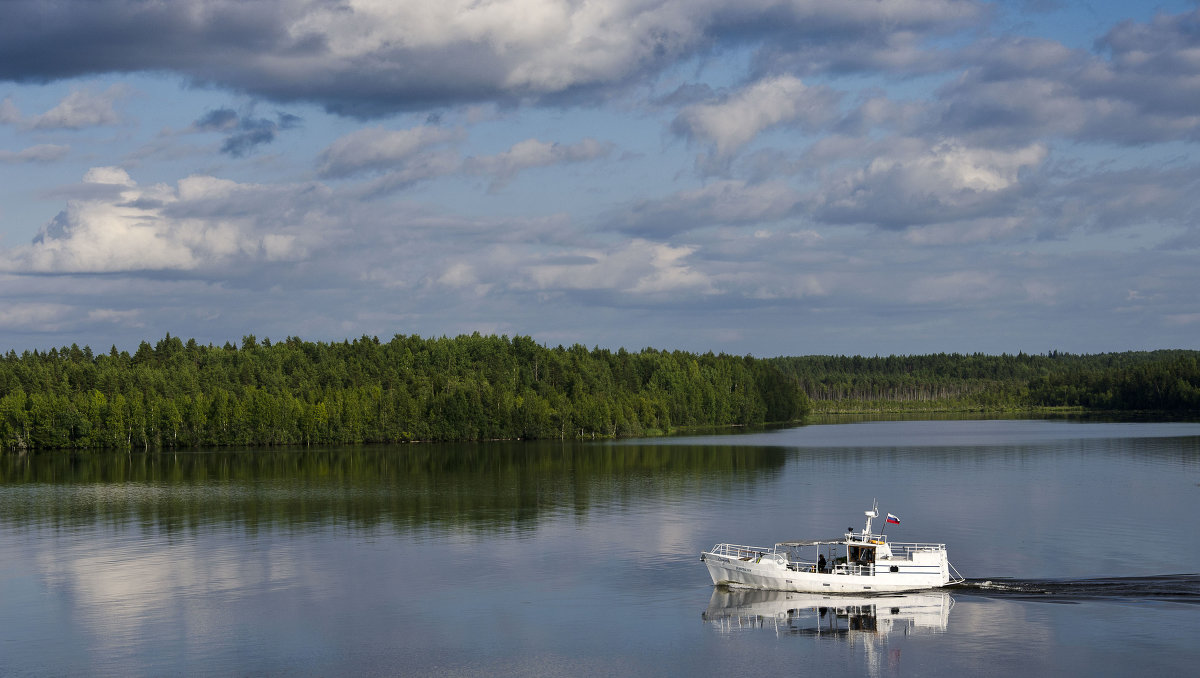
(762,177)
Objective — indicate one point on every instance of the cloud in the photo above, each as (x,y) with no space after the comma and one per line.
(954,193)
(404,246)
(202,223)
(417,168)
(734,121)
(403,157)
(81,108)
(965,287)
(726,202)
(1017,88)
(372,58)
(217,120)
(880,48)
(9,113)
(1155,63)
(503,167)
(637,267)
(913,186)
(1182,319)
(376,149)
(39,153)
(876,112)
(25,315)
(54,316)
(243,133)
(1112,200)
(979,229)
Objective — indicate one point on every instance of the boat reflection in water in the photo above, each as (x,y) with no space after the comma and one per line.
(818,614)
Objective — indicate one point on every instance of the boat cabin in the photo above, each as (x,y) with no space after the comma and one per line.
(861,553)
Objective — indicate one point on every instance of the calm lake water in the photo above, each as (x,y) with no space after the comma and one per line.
(1080,541)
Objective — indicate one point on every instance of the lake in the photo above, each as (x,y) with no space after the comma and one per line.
(1079,541)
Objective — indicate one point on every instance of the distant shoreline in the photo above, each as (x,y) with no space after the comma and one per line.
(180,395)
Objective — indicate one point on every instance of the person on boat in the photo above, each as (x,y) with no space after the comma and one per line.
(821,563)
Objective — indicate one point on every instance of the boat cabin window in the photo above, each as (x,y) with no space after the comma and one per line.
(861,555)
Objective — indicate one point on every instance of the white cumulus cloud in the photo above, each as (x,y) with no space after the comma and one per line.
(118,225)
(913,185)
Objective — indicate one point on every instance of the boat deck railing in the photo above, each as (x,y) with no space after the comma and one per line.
(741,552)
(858,537)
(901,549)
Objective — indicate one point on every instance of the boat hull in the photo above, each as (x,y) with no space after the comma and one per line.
(775,575)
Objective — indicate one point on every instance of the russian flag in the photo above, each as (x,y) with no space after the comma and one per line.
(893,519)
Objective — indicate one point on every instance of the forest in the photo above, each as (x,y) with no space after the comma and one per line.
(183,394)
(177,394)
(1167,380)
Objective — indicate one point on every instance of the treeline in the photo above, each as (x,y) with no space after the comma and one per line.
(1134,380)
(177,394)
(183,394)
(1168,384)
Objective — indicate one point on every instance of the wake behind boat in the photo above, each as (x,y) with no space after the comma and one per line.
(858,562)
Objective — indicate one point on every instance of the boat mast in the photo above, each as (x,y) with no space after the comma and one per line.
(873,513)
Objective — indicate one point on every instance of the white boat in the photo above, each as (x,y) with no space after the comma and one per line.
(858,562)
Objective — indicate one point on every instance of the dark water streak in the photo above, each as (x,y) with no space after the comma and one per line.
(1175,588)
